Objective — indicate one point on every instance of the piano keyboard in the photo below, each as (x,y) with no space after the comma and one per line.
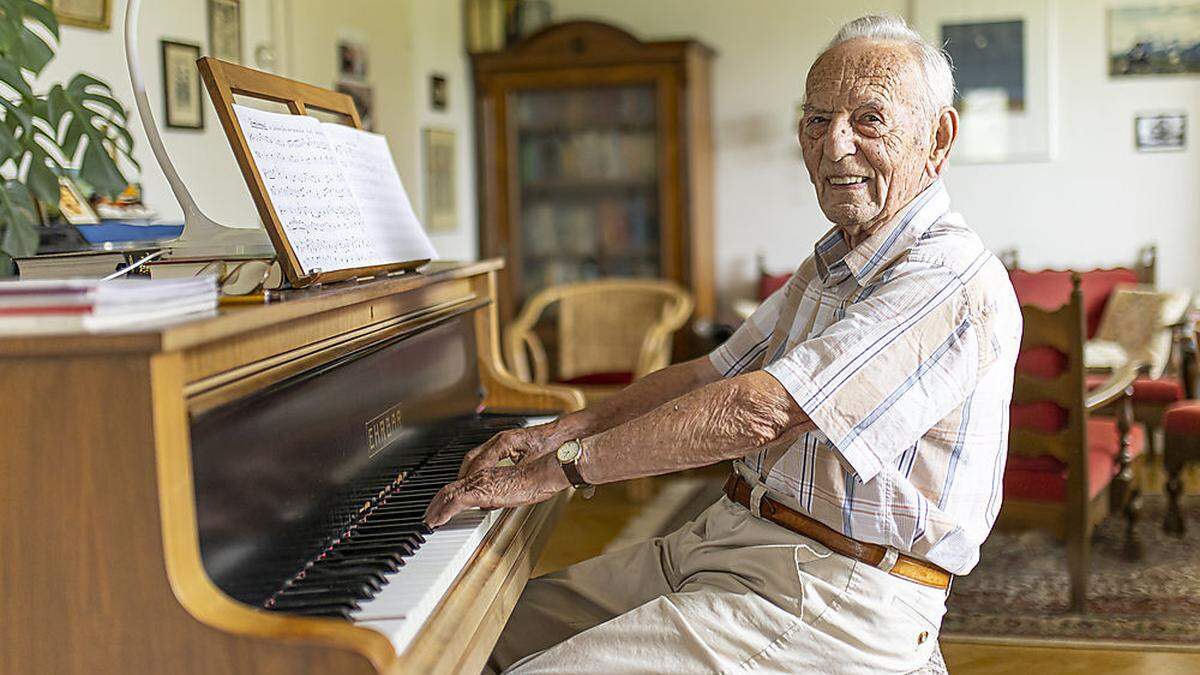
(389,571)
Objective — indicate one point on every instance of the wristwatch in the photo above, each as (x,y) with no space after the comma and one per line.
(568,455)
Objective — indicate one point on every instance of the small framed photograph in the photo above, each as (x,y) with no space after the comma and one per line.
(352,60)
(438,94)
(73,205)
(441,212)
(364,101)
(1160,132)
(94,14)
(225,30)
(181,85)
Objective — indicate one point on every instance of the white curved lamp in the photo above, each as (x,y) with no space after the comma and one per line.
(201,237)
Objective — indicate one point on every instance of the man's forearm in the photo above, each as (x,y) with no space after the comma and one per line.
(638,398)
(719,421)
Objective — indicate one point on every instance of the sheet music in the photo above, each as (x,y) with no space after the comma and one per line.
(310,193)
(388,215)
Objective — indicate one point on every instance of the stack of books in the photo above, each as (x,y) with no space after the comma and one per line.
(75,305)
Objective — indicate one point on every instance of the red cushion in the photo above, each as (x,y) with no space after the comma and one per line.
(1044,362)
(601,379)
(1044,416)
(1051,289)
(769,283)
(1182,418)
(1146,390)
(1044,479)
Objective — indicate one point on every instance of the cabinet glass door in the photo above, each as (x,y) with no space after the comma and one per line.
(587,184)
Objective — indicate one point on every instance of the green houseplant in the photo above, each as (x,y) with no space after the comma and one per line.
(77,126)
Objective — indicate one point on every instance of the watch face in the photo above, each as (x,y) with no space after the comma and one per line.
(568,452)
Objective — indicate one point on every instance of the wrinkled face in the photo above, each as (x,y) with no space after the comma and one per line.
(866,134)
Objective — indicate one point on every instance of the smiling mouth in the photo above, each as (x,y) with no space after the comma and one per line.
(847,181)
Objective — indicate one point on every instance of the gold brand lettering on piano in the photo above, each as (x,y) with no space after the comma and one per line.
(383,429)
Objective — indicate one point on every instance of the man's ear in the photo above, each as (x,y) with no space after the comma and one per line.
(945,131)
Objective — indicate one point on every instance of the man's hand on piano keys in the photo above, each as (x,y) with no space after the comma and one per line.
(530,482)
(515,445)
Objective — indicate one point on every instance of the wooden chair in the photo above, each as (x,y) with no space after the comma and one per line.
(1067,467)
(1151,395)
(609,333)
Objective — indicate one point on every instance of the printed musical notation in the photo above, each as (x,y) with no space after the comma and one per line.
(387,213)
(335,197)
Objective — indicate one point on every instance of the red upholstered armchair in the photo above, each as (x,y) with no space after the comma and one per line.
(1067,466)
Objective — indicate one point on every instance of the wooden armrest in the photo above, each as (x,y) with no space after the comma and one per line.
(1113,388)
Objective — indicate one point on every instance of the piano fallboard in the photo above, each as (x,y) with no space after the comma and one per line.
(163,486)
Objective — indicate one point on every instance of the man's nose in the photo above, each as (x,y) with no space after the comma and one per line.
(839,141)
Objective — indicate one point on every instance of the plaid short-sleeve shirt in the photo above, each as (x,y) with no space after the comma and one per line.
(901,350)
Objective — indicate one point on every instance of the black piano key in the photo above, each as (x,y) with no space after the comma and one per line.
(322,612)
(355,584)
(379,565)
(292,605)
(347,550)
(335,593)
(326,574)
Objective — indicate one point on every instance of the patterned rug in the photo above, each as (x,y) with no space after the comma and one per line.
(1020,586)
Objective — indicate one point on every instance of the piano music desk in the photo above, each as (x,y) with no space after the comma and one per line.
(102,569)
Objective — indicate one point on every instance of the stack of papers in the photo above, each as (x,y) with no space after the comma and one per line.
(72,305)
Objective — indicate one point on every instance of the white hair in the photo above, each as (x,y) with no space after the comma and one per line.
(934,61)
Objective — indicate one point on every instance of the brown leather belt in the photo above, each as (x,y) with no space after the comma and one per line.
(919,571)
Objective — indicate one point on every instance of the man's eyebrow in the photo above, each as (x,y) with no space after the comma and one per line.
(808,108)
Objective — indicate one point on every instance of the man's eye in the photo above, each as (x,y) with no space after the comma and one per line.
(872,118)
(817,120)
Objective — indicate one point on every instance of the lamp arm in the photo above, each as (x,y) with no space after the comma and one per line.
(201,235)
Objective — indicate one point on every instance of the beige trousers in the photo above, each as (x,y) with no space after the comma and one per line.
(728,592)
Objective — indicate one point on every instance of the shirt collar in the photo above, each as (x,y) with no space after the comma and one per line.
(836,260)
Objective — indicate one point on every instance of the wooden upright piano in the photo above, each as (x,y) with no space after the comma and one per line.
(242,493)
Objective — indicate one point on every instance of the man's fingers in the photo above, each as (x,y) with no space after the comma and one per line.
(476,457)
(450,501)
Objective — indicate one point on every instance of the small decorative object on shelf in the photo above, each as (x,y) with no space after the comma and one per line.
(596,156)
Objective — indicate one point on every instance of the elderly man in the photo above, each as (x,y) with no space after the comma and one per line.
(865,402)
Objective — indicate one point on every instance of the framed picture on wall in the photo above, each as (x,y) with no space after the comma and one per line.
(1003,72)
(1154,40)
(1160,132)
(96,14)
(225,30)
(181,85)
(441,213)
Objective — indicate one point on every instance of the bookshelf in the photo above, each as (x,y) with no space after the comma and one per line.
(595,160)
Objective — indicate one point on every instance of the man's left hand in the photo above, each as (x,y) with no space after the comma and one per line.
(498,487)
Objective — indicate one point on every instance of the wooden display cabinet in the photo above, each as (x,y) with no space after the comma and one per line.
(595,160)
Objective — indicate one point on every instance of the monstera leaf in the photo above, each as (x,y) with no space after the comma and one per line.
(16,210)
(96,121)
(79,125)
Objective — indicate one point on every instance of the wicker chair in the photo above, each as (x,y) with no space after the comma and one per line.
(609,333)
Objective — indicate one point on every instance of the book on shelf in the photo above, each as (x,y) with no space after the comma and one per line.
(91,263)
(85,305)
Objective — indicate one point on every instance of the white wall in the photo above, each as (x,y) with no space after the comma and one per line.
(406,39)
(1096,203)
(203,158)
